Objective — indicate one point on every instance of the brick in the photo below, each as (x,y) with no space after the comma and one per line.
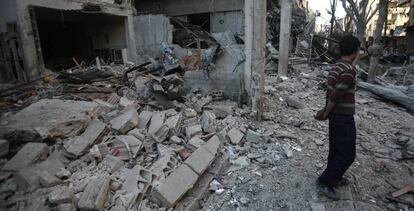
(143,119)
(193,130)
(126,121)
(30,153)
(4,147)
(157,120)
(235,136)
(94,195)
(200,160)
(175,186)
(112,163)
(60,195)
(208,122)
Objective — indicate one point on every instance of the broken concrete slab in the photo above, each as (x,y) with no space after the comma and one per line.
(222,109)
(208,122)
(164,166)
(60,195)
(295,103)
(36,206)
(235,136)
(174,124)
(47,179)
(48,119)
(95,194)
(157,120)
(253,136)
(213,145)
(175,186)
(194,130)
(4,147)
(112,163)
(143,119)
(133,143)
(162,134)
(176,140)
(137,133)
(30,153)
(317,207)
(79,145)
(200,160)
(196,142)
(126,121)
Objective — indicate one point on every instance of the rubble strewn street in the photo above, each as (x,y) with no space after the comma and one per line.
(198,105)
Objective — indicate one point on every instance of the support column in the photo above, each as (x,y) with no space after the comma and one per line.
(255,44)
(284,38)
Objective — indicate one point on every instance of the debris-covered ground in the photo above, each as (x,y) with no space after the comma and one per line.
(118,153)
(279,170)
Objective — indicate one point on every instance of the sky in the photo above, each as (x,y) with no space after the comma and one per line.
(322,6)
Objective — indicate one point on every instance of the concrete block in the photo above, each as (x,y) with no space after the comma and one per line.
(213,145)
(176,140)
(192,131)
(126,121)
(175,186)
(95,130)
(60,195)
(200,160)
(196,142)
(135,184)
(66,207)
(190,122)
(190,113)
(112,163)
(161,134)
(134,144)
(36,206)
(47,179)
(137,133)
(208,122)
(4,147)
(157,120)
(143,119)
(235,136)
(174,124)
(30,153)
(164,166)
(317,207)
(76,146)
(95,194)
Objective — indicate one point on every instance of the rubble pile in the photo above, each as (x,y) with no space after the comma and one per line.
(111,155)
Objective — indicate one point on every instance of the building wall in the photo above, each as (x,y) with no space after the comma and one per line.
(397,16)
(107,35)
(186,7)
(8,13)
(223,21)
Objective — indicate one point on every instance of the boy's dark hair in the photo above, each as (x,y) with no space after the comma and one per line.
(348,45)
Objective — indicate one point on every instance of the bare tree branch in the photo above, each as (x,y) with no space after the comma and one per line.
(372,14)
(349,11)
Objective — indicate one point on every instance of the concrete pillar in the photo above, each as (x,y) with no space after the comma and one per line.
(284,39)
(255,44)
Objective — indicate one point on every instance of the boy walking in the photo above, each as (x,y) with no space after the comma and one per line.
(340,109)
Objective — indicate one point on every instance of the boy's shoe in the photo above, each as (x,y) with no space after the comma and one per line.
(343,182)
(327,191)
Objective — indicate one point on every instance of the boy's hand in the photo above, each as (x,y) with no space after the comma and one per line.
(321,115)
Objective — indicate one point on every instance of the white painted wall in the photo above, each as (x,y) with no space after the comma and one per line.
(8,13)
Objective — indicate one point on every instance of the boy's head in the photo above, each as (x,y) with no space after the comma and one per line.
(349,47)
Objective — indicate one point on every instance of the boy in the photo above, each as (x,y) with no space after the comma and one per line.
(340,109)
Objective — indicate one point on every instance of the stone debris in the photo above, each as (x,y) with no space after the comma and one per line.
(157,121)
(4,147)
(126,121)
(44,120)
(235,136)
(208,122)
(30,153)
(61,195)
(295,103)
(194,130)
(143,119)
(95,194)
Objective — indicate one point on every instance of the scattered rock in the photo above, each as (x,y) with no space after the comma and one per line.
(295,103)
(126,121)
(60,195)
(30,153)
(235,136)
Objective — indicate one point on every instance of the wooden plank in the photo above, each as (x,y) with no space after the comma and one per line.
(402,191)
